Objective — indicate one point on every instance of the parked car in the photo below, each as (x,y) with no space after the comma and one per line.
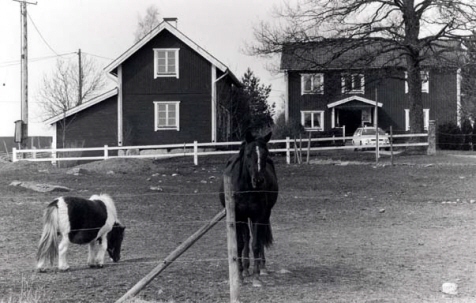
(364,136)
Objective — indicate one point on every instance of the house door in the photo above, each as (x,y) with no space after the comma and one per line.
(351,118)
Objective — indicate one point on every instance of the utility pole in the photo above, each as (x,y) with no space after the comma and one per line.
(80,79)
(24,69)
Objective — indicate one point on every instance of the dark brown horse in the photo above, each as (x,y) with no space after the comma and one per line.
(255,186)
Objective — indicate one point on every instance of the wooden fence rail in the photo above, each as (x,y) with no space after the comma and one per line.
(195,149)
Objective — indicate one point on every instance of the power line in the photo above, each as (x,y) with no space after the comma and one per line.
(16,62)
(97,56)
(41,36)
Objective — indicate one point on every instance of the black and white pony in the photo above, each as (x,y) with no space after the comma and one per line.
(255,186)
(80,221)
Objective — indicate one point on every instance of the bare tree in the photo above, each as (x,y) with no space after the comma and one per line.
(59,91)
(147,23)
(407,31)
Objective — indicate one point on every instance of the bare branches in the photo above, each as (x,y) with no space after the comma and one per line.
(59,91)
(419,23)
(147,23)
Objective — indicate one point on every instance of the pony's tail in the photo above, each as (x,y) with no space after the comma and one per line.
(48,247)
(266,234)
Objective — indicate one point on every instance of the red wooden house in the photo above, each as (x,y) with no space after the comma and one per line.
(169,90)
(326,90)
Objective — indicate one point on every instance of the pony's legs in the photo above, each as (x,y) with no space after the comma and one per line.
(102,247)
(97,248)
(92,252)
(63,248)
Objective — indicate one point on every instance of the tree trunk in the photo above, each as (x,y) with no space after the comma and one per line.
(415,97)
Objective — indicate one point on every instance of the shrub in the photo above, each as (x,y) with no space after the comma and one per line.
(467,132)
(281,129)
(449,136)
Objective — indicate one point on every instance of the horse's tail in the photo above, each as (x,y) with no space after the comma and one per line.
(48,247)
(266,234)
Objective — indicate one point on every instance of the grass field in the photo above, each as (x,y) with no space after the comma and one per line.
(344,231)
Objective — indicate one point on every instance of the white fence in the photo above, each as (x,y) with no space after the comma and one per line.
(194,149)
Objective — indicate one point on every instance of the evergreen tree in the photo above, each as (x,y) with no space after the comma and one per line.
(259,115)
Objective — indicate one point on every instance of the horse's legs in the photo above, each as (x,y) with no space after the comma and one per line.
(263,270)
(62,249)
(240,245)
(246,249)
(256,246)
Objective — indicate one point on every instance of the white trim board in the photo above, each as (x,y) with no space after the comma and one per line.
(164,25)
(354,98)
(83,106)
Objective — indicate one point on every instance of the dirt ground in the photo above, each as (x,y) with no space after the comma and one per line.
(344,231)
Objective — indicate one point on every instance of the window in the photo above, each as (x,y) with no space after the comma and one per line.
(425,82)
(166,62)
(312,120)
(167,114)
(353,83)
(312,84)
(426,119)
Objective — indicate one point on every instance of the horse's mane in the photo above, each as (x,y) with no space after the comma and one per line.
(108,202)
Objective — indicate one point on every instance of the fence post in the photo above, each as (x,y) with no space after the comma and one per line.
(53,155)
(391,145)
(106,152)
(233,271)
(288,151)
(14,155)
(431,138)
(195,152)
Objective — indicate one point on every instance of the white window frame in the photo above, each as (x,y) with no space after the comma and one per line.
(426,119)
(425,81)
(313,112)
(353,90)
(174,73)
(177,115)
(316,88)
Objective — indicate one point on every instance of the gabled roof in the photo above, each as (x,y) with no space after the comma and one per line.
(341,54)
(83,106)
(112,67)
(354,98)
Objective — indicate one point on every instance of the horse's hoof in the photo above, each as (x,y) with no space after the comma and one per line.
(264,272)
(63,269)
(41,270)
(246,273)
(257,283)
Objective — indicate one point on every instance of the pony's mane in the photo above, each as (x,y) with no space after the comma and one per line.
(108,201)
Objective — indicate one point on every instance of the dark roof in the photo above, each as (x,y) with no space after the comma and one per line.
(362,54)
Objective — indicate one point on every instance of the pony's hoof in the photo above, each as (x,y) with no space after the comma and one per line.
(257,283)
(66,268)
(41,270)
(246,273)
(264,272)
(96,266)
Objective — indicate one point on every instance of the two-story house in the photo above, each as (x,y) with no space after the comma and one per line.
(325,90)
(169,90)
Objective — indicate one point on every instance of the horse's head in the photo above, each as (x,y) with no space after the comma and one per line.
(255,158)
(114,241)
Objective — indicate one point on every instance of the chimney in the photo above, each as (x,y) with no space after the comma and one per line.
(172,20)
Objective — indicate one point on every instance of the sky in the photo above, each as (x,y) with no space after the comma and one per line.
(104,29)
